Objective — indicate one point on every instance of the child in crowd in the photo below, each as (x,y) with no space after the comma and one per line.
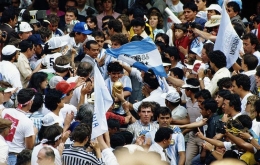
(53,26)
(181,39)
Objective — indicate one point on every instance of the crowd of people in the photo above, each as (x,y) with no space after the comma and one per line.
(203,113)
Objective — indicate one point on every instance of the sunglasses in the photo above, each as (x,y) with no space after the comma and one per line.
(197,1)
(190,31)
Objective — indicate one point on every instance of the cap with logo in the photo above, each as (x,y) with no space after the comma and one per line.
(172,96)
(9,50)
(24,27)
(81,27)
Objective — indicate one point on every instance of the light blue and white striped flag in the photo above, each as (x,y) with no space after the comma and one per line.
(142,54)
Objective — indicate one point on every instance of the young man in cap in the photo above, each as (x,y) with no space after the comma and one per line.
(67,89)
(77,36)
(24,30)
(9,71)
(5,126)
(55,45)
(36,59)
(213,9)
(22,134)
(172,101)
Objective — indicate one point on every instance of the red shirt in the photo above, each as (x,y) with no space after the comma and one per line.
(185,43)
(111,115)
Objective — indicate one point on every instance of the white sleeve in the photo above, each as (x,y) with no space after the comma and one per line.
(181,142)
(3,154)
(28,129)
(137,74)
(136,105)
(108,157)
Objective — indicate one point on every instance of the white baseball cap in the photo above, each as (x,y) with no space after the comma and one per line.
(172,96)
(9,50)
(54,81)
(215,7)
(49,120)
(56,42)
(24,27)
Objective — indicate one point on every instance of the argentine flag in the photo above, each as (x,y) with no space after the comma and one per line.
(142,54)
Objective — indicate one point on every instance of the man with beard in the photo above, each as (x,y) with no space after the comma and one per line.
(9,71)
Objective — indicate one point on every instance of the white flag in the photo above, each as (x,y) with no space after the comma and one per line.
(102,103)
(227,39)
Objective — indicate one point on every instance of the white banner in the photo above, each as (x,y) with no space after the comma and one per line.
(102,103)
(227,39)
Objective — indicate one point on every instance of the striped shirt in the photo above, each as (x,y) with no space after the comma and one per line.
(79,156)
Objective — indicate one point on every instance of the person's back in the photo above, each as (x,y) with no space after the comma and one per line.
(77,152)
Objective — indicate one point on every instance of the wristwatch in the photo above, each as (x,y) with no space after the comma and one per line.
(200,79)
(212,150)
(249,140)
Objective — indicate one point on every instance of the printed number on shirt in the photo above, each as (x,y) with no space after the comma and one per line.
(51,61)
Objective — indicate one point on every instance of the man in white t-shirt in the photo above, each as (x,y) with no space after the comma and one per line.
(83,71)
(241,86)
(172,101)
(251,44)
(54,102)
(22,133)
(9,71)
(54,142)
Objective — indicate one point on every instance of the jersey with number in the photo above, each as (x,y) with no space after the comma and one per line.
(49,59)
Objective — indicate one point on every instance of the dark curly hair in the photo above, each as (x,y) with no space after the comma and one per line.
(160,19)
(24,157)
(242,80)
(81,132)
(25,95)
(218,58)
(234,100)
(224,82)
(52,98)
(114,67)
